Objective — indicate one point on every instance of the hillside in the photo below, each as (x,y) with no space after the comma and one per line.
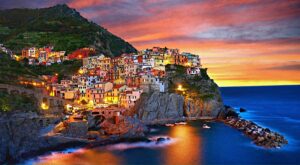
(60,26)
(11,71)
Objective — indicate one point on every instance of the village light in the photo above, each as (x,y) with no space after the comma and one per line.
(68,106)
(180,87)
(91,104)
(44,106)
(52,93)
(80,71)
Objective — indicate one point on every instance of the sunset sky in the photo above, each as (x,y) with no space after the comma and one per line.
(246,42)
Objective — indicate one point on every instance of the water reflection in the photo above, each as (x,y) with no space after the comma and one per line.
(188,148)
(84,157)
(184,147)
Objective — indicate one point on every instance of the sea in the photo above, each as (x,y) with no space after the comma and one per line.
(274,107)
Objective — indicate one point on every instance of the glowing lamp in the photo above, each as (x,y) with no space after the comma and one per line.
(179,87)
(80,71)
(52,93)
(44,106)
(68,106)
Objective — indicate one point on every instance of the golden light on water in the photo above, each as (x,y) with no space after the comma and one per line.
(187,150)
(86,157)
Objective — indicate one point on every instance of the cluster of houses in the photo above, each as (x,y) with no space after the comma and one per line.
(47,56)
(43,56)
(120,81)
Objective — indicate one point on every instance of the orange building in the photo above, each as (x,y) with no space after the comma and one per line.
(180,59)
(81,53)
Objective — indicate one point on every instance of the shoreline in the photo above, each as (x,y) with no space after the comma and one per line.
(260,136)
(83,144)
(90,144)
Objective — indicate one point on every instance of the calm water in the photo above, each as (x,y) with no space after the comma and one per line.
(273,107)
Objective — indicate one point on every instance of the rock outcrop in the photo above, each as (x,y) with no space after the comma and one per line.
(77,129)
(261,136)
(159,107)
(23,135)
(127,127)
(26,135)
(203,100)
(201,108)
(200,98)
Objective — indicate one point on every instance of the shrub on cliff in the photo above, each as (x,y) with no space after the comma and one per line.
(9,102)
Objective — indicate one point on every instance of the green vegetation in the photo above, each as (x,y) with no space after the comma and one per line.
(179,69)
(60,26)
(207,96)
(67,68)
(10,102)
(11,70)
(204,74)
(194,86)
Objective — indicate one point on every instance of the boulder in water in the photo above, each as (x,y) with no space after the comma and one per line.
(243,110)
(160,140)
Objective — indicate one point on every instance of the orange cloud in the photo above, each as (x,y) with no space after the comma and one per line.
(79,4)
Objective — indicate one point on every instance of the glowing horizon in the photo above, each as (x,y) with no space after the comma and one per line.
(242,43)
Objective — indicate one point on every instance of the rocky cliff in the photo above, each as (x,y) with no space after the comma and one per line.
(25,134)
(204,101)
(198,97)
(160,107)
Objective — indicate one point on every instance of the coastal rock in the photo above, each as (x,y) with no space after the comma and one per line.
(127,127)
(203,100)
(198,98)
(137,128)
(94,121)
(160,106)
(93,135)
(261,136)
(22,135)
(160,140)
(77,129)
(202,108)
(243,110)
(228,111)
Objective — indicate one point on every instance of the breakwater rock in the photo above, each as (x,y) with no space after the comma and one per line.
(261,136)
